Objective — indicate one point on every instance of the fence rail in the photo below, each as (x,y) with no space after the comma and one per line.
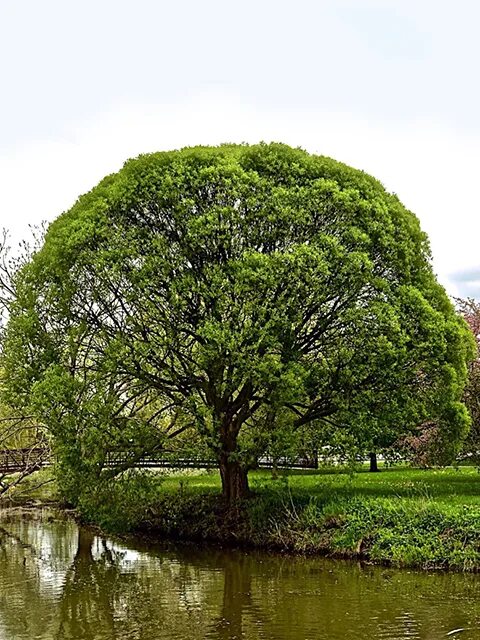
(18,460)
(152,461)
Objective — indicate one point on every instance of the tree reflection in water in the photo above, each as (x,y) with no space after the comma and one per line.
(240,614)
(87,601)
(58,582)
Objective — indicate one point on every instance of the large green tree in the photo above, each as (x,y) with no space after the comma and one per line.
(232,294)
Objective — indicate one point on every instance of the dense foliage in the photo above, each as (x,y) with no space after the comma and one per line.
(227,298)
(470,310)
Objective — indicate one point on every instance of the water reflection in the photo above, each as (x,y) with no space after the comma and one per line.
(61,582)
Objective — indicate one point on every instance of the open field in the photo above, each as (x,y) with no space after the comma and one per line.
(450,486)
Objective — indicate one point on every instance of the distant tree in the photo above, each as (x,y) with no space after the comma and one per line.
(470,310)
(232,293)
(18,431)
(423,447)
(11,263)
(8,269)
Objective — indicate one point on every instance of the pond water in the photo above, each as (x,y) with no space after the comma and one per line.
(58,581)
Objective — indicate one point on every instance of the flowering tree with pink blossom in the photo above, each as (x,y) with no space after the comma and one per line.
(470,310)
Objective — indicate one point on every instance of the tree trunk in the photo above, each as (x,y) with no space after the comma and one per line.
(274,468)
(84,546)
(234,479)
(373,461)
(237,599)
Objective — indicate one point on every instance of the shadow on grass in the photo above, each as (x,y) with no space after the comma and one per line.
(442,484)
(390,483)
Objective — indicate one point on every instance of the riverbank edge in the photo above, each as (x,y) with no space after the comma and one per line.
(377,531)
(393,533)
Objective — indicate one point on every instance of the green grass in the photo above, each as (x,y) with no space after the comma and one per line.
(443,486)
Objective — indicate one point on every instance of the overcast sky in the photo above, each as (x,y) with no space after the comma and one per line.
(388,86)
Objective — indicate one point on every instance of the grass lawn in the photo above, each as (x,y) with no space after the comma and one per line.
(449,486)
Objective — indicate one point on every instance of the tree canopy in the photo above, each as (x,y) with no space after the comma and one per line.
(228,295)
(470,310)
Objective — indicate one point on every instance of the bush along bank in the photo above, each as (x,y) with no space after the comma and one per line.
(396,531)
